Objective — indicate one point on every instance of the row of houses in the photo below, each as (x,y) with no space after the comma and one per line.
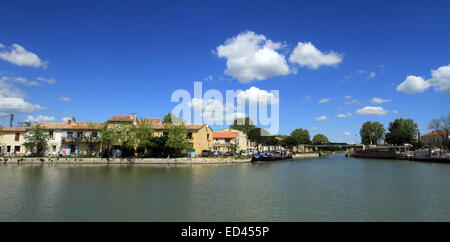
(72,138)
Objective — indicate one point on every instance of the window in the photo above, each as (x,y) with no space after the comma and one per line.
(165,134)
(207,136)
(8,149)
(54,148)
(50,134)
(79,134)
(16,149)
(227,140)
(94,134)
(17,137)
(189,135)
(69,134)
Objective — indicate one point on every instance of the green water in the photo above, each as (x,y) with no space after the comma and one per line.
(331,188)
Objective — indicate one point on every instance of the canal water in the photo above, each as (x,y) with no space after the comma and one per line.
(330,188)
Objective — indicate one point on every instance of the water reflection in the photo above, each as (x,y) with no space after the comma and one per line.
(330,188)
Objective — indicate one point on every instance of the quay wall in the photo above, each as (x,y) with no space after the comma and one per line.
(119,161)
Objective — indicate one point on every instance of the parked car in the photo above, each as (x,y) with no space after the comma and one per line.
(216,153)
(206,153)
(246,153)
(229,153)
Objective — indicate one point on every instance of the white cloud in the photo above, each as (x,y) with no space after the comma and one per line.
(306,54)
(379,100)
(324,100)
(18,55)
(252,57)
(351,101)
(255,96)
(7,90)
(347,133)
(48,80)
(348,97)
(21,80)
(12,100)
(440,79)
(215,111)
(65,99)
(413,84)
(344,115)
(368,110)
(369,74)
(394,111)
(321,118)
(14,104)
(313,128)
(40,118)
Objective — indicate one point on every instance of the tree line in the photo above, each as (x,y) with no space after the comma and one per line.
(403,131)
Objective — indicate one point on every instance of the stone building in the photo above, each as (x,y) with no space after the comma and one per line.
(11,141)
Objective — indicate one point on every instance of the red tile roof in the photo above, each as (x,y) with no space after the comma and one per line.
(13,129)
(122,118)
(431,133)
(72,126)
(224,135)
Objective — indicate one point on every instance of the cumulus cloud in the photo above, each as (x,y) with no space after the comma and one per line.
(306,54)
(351,101)
(440,79)
(47,80)
(413,84)
(20,80)
(7,90)
(18,55)
(324,100)
(40,119)
(12,100)
(377,100)
(255,96)
(344,115)
(14,104)
(215,111)
(321,118)
(252,57)
(368,110)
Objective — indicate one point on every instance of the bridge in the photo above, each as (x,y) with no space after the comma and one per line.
(337,146)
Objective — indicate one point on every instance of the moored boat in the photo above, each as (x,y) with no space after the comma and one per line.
(383,152)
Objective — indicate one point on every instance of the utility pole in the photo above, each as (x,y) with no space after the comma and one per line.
(11,118)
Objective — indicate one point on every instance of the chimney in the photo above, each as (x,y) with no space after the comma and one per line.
(11,119)
(69,121)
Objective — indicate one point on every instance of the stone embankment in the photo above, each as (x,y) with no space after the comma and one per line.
(124,161)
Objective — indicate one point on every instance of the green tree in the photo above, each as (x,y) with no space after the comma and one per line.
(243,124)
(36,140)
(320,139)
(288,142)
(233,147)
(257,135)
(401,131)
(442,127)
(301,136)
(142,135)
(177,138)
(112,135)
(372,132)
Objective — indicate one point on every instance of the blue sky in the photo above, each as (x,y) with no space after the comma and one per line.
(120,57)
